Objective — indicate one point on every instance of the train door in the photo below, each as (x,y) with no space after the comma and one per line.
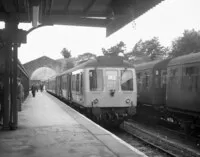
(56,86)
(63,85)
(68,87)
(146,92)
(81,88)
(60,86)
(112,96)
(173,96)
(159,87)
(163,83)
(189,87)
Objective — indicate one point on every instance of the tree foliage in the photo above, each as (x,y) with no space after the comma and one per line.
(84,57)
(137,54)
(66,53)
(153,49)
(115,50)
(68,64)
(147,50)
(188,43)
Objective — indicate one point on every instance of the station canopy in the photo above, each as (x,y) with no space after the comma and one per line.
(111,14)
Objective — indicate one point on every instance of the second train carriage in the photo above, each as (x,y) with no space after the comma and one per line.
(151,83)
(183,88)
(104,87)
(170,89)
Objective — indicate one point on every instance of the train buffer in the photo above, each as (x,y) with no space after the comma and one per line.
(49,128)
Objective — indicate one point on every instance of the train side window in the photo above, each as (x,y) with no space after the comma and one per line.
(190,78)
(138,76)
(139,81)
(81,83)
(173,72)
(163,78)
(65,81)
(157,83)
(96,80)
(73,82)
(146,80)
(77,82)
(157,78)
(172,77)
(127,80)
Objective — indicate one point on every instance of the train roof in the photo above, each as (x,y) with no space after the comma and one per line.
(103,61)
(21,67)
(147,65)
(158,64)
(50,78)
(190,58)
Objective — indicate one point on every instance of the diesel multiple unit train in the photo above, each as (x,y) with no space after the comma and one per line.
(103,88)
(170,90)
(106,89)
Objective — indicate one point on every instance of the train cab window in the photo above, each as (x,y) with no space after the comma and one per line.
(127,80)
(96,80)
(111,79)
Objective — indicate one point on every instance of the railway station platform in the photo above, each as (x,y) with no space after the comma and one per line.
(49,128)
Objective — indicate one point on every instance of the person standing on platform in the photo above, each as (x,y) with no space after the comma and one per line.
(33,89)
(41,87)
(20,91)
(37,87)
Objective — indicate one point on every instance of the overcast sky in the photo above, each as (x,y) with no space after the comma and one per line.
(167,21)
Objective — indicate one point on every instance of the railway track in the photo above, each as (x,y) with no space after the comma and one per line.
(153,144)
(143,146)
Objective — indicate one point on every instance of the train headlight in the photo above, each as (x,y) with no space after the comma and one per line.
(95,101)
(128,101)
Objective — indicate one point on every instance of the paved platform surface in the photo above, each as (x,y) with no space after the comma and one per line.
(49,128)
